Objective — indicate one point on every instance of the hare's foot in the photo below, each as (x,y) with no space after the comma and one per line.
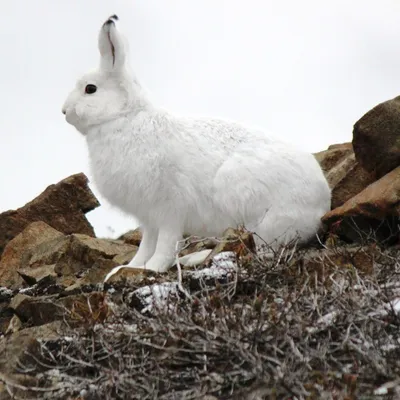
(158,264)
(162,259)
(194,259)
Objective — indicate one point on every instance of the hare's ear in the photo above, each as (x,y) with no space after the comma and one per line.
(111,46)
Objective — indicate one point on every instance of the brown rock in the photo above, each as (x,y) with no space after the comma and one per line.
(36,310)
(94,275)
(5,313)
(353,182)
(76,309)
(18,348)
(22,350)
(345,176)
(83,251)
(19,250)
(33,275)
(40,251)
(124,258)
(376,138)
(132,237)
(369,208)
(15,325)
(62,206)
(333,156)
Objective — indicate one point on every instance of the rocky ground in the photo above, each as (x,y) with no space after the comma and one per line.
(321,322)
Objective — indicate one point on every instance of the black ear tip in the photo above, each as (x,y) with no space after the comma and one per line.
(111,20)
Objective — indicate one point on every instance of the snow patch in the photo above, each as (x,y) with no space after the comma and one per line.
(222,265)
(5,291)
(157,296)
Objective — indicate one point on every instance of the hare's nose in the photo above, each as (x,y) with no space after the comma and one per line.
(64,111)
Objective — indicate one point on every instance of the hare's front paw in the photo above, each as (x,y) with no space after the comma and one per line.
(119,267)
(158,264)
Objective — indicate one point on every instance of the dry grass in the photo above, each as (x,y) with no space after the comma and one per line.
(285,328)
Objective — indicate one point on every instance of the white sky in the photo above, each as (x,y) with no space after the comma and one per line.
(306,70)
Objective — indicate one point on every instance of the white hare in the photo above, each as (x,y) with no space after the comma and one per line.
(188,175)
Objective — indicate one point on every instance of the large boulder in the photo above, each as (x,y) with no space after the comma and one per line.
(40,251)
(19,250)
(346,177)
(376,138)
(62,206)
(376,208)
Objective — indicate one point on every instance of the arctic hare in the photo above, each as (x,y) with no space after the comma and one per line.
(188,175)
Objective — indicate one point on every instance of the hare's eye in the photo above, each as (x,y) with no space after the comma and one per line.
(89,89)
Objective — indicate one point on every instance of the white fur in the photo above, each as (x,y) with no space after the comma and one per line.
(189,175)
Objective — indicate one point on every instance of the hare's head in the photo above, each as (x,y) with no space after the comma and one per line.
(107,93)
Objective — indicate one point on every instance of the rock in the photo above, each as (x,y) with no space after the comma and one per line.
(335,155)
(124,258)
(62,206)
(83,251)
(22,350)
(93,276)
(18,348)
(353,182)
(36,310)
(133,237)
(77,309)
(34,275)
(40,251)
(376,139)
(15,325)
(367,210)
(344,174)
(19,250)
(5,313)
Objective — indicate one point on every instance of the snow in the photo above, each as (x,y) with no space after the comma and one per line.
(156,296)
(222,265)
(5,291)
(393,305)
(393,386)
(28,289)
(117,327)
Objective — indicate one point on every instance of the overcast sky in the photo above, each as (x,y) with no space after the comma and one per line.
(306,70)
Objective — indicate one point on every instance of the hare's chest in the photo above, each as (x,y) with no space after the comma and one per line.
(123,175)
